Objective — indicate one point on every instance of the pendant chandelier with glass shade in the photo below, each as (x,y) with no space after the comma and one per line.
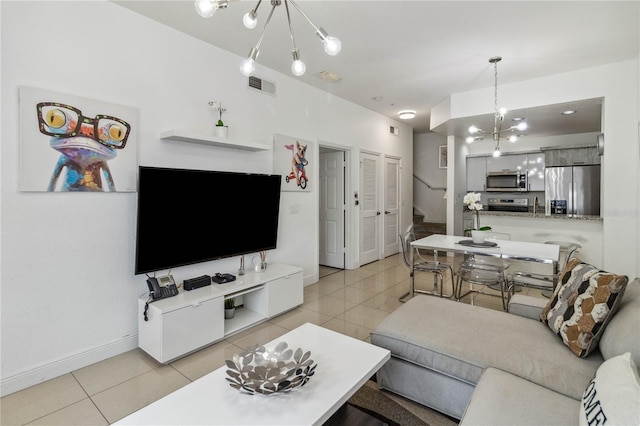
(332,45)
(498,132)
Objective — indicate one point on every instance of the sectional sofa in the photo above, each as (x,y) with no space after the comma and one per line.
(490,367)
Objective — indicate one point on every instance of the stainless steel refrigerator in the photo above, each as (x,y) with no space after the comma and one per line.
(572,190)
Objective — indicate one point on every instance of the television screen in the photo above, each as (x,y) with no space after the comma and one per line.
(191,216)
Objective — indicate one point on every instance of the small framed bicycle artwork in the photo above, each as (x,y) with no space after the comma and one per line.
(293,158)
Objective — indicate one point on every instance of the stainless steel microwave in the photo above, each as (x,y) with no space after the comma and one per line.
(515,181)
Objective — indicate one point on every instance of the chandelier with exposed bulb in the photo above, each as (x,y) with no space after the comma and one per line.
(332,45)
(498,132)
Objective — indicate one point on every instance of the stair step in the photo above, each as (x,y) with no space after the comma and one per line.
(424,229)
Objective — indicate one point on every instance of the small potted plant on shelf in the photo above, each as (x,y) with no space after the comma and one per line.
(229,308)
(221,130)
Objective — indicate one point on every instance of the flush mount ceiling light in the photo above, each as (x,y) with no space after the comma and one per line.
(568,112)
(329,77)
(332,46)
(407,115)
(498,118)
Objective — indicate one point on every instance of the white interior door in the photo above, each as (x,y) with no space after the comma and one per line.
(332,209)
(391,206)
(369,208)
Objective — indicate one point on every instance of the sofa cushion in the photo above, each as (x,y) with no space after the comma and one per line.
(613,396)
(582,304)
(621,334)
(526,306)
(461,340)
(501,398)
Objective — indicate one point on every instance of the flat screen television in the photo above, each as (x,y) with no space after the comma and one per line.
(191,216)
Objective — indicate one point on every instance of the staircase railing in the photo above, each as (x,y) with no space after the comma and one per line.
(430,188)
(443,188)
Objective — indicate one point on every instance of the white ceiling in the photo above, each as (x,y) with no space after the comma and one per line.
(414,54)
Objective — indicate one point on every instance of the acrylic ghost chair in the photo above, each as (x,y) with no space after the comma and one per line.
(545,282)
(420,264)
(487,270)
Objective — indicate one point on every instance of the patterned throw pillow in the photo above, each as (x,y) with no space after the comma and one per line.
(582,304)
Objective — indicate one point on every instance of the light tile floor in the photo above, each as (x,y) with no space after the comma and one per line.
(352,302)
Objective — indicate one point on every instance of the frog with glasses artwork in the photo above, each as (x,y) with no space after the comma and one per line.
(86,145)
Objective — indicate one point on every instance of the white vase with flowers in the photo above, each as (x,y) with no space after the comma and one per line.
(474,203)
(221,130)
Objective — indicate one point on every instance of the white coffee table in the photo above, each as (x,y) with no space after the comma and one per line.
(344,365)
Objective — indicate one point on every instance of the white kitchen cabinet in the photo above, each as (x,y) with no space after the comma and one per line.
(476,174)
(182,324)
(507,163)
(535,172)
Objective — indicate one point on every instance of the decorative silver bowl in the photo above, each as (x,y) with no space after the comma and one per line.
(259,370)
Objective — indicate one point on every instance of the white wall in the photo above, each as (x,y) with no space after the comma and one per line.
(68,288)
(618,84)
(426,167)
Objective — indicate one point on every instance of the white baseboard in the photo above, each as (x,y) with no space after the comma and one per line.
(23,380)
(311,279)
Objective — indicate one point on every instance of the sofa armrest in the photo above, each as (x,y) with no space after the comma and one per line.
(526,306)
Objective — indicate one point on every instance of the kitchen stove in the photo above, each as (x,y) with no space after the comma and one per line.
(508,204)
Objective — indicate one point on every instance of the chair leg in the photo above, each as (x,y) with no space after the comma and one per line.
(412,284)
(453,286)
(458,288)
(411,289)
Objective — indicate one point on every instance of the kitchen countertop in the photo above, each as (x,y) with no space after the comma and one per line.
(530,215)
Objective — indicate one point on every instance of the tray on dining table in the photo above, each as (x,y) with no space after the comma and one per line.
(470,243)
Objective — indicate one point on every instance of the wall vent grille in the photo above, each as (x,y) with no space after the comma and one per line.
(394,131)
(264,86)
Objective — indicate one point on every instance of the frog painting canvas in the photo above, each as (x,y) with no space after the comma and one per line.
(89,147)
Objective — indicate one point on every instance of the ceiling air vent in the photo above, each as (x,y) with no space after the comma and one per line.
(264,86)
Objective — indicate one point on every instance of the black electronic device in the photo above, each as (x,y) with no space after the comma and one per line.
(193,283)
(177,227)
(219,278)
(157,291)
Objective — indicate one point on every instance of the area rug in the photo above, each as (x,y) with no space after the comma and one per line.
(395,410)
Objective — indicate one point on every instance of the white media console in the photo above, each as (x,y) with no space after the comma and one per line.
(193,319)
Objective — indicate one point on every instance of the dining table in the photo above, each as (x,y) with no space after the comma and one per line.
(525,251)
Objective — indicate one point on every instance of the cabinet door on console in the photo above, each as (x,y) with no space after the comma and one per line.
(284,294)
(192,327)
(170,334)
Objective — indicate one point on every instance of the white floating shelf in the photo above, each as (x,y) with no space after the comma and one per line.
(180,136)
